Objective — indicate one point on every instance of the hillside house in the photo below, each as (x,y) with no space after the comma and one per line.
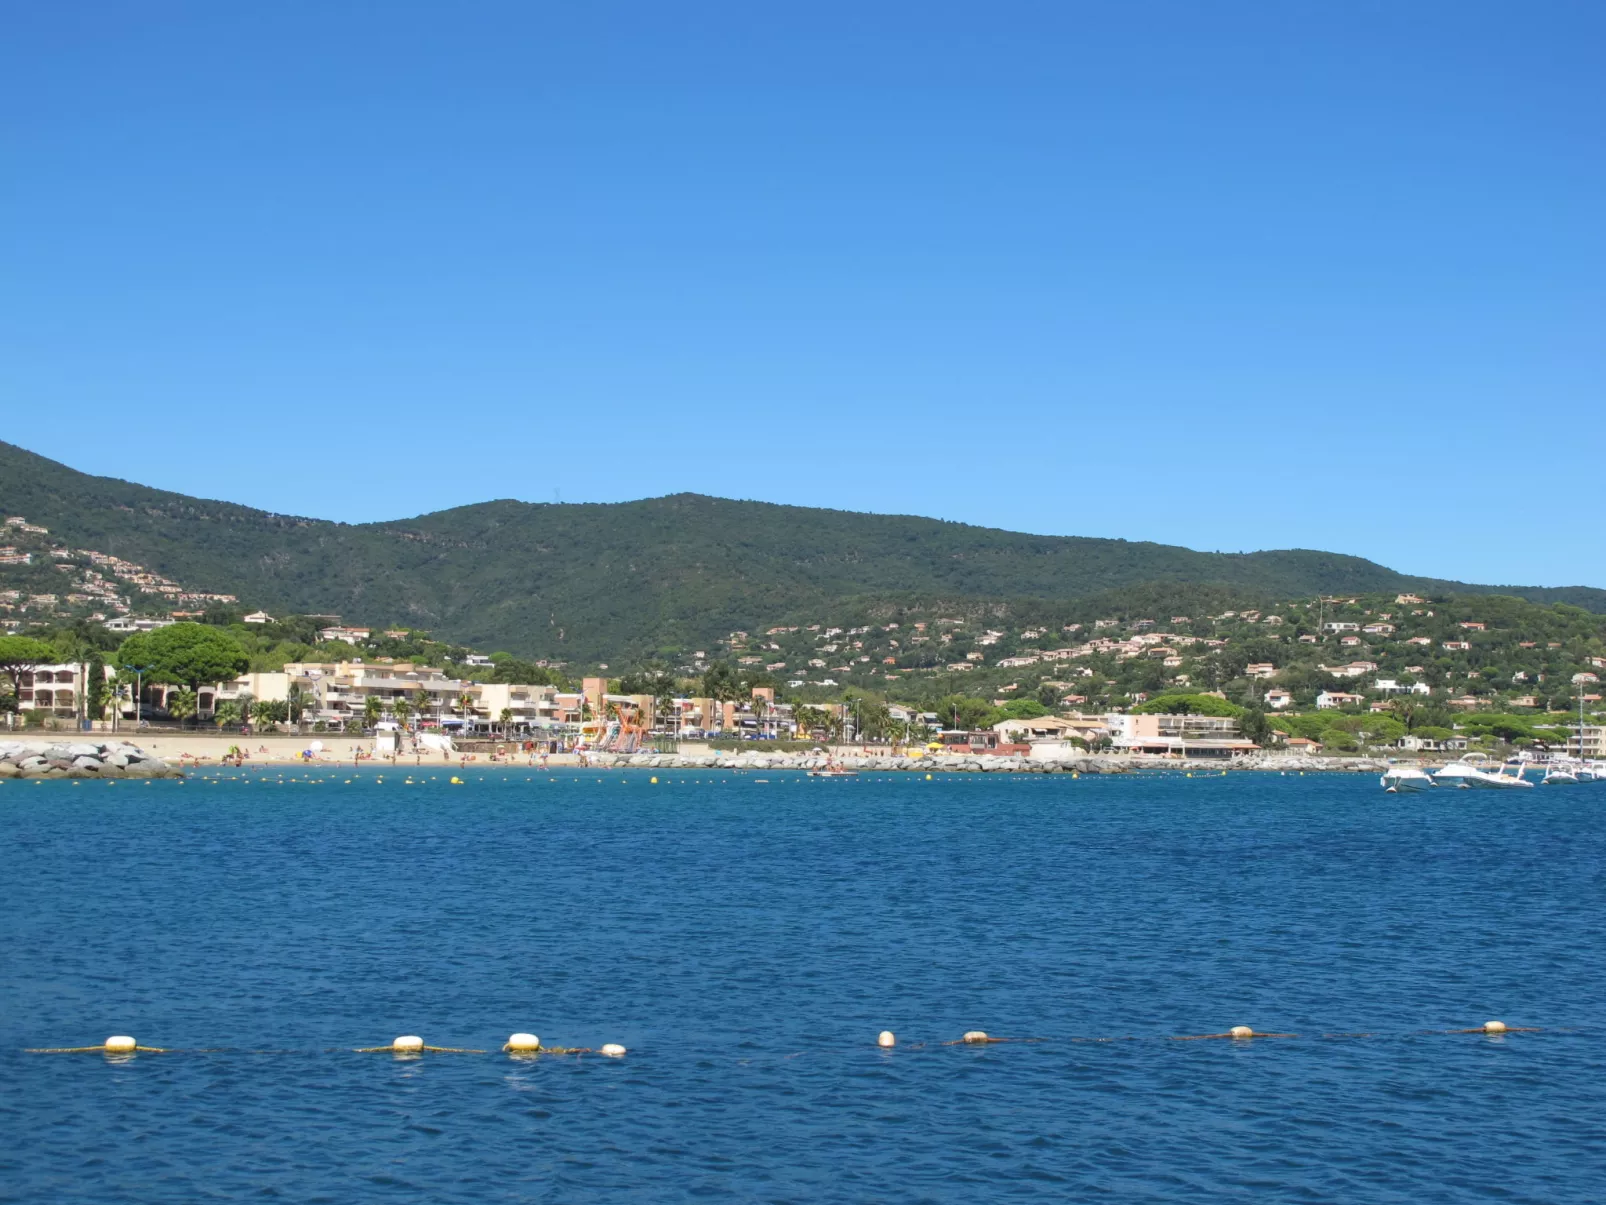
(1331,700)
(1354,669)
(351,636)
(1421,744)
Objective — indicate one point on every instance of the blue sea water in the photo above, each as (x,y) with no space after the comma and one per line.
(746,936)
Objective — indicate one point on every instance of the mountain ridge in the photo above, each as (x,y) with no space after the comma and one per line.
(639,577)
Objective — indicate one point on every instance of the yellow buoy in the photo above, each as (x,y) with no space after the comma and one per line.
(522,1042)
(1494,1027)
(886,1036)
(654,782)
(408,1044)
(613,1050)
(457,780)
(120,1044)
(1241,1031)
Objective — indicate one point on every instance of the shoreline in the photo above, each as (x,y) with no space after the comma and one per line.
(203,750)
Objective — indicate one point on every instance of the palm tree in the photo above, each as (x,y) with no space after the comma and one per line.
(401,709)
(182,704)
(507,720)
(372,709)
(421,702)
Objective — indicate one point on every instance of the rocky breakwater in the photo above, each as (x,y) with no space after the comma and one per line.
(80,759)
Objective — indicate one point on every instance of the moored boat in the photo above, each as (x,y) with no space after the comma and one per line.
(1400,779)
(1563,772)
(1464,775)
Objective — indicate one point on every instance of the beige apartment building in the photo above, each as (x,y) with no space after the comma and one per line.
(54,690)
(336,692)
(1588,741)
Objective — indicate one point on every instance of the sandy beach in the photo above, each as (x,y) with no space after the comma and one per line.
(211,749)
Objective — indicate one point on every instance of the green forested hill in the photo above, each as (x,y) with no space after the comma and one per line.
(581,581)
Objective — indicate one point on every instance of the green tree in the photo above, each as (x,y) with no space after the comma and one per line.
(188,654)
(720,682)
(810,719)
(20,654)
(96,690)
(372,709)
(1019,709)
(272,711)
(228,714)
(421,703)
(182,704)
(962,712)
(1339,740)
(874,719)
(506,717)
(401,708)
(1255,726)
(1188,705)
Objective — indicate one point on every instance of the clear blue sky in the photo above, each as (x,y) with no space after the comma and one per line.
(1219,274)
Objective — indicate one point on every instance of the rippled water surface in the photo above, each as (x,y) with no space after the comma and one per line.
(746,939)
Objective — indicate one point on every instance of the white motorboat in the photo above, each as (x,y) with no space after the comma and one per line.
(1563,772)
(1399,779)
(1465,775)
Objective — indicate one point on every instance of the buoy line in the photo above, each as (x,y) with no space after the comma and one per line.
(528,1044)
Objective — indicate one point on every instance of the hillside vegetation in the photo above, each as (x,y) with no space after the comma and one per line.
(661,576)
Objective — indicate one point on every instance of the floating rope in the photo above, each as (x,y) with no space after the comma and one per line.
(103,1049)
(529,1046)
(416,1050)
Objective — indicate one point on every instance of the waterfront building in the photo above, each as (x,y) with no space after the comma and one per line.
(51,690)
(1182,735)
(1588,741)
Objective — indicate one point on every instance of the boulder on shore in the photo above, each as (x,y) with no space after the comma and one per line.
(80,759)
